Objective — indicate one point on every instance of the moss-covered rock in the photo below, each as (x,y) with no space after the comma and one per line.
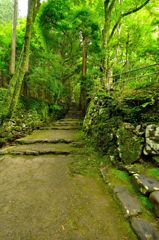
(152,140)
(129,144)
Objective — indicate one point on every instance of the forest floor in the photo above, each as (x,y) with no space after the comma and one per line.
(43,197)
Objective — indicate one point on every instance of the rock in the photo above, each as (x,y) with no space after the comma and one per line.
(130,169)
(154,198)
(129,203)
(139,130)
(146,184)
(129,144)
(152,140)
(144,230)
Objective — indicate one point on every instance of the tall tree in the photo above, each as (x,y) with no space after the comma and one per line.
(13,45)
(17,80)
(111,26)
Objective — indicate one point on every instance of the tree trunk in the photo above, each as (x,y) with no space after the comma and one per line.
(13,44)
(83,91)
(108,7)
(127,54)
(17,80)
(108,32)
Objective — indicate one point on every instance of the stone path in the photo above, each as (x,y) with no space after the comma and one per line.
(41,200)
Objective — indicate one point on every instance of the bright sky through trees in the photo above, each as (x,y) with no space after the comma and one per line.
(23,6)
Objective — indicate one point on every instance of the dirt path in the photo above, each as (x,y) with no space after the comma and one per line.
(41,200)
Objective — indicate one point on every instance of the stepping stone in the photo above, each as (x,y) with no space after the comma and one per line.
(144,230)
(39,149)
(146,184)
(154,198)
(129,203)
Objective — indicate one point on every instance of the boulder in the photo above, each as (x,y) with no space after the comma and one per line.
(129,144)
(129,203)
(154,198)
(152,140)
(144,230)
(146,184)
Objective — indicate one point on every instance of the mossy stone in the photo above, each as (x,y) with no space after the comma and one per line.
(129,145)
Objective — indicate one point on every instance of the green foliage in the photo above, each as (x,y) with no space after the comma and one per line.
(55,64)
(6,11)
(52,13)
(3,94)
(5,40)
(44,83)
(58,111)
(33,106)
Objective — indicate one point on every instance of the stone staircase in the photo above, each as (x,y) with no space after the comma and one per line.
(53,143)
(57,138)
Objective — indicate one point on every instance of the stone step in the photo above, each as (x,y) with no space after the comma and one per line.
(58,127)
(50,136)
(144,230)
(146,184)
(154,198)
(38,149)
(67,123)
(74,115)
(129,203)
(70,119)
(55,141)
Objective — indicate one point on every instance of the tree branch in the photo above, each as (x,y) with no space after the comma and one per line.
(111,6)
(106,2)
(124,15)
(135,9)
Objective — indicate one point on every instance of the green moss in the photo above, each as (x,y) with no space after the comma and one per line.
(121,178)
(153,172)
(121,175)
(146,202)
(130,145)
(10,136)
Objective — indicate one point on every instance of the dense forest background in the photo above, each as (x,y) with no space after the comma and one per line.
(75,50)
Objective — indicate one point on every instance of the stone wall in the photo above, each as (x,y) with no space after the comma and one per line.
(125,131)
(31,114)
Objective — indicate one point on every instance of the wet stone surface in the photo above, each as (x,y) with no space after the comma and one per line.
(146,184)
(129,203)
(41,200)
(154,198)
(144,230)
